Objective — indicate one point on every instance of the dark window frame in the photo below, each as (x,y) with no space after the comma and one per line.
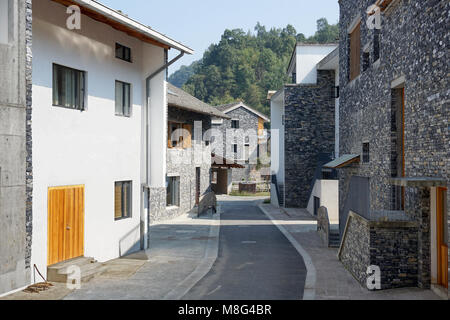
(235,124)
(57,82)
(366,152)
(123,53)
(125,86)
(376,45)
(168,191)
(129,201)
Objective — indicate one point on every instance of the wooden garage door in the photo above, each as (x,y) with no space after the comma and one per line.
(65,223)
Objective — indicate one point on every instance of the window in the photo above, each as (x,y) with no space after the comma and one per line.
(179,135)
(123,53)
(247,153)
(376,45)
(235,151)
(173,191)
(123,99)
(235,124)
(122,200)
(68,87)
(366,152)
(366,60)
(5,21)
(294,77)
(354,52)
(335,92)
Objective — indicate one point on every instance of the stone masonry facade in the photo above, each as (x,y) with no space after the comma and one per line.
(309,132)
(413,55)
(16,174)
(247,121)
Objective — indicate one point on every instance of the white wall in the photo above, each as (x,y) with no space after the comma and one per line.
(277,137)
(94,148)
(328,192)
(308,56)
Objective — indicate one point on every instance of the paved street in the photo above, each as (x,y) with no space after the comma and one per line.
(255,260)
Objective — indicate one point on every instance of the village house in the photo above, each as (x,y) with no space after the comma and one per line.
(394,141)
(303,131)
(98,123)
(247,146)
(189,158)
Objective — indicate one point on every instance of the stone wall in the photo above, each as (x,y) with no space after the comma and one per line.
(183,163)
(413,56)
(390,245)
(323,225)
(15,151)
(309,131)
(247,121)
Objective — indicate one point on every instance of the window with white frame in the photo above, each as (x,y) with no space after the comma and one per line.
(123,99)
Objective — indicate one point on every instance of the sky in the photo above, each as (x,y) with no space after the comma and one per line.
(199,23)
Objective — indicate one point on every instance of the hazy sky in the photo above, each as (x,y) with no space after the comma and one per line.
(198,23)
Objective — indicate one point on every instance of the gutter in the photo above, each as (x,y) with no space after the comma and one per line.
(146,186)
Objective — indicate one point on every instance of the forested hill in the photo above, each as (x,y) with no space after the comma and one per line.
(244,66)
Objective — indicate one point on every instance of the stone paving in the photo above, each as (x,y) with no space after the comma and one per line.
(333,281)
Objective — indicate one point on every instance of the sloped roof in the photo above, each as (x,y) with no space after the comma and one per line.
(225,108)
(179,98)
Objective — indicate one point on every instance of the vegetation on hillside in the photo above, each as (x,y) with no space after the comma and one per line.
(244,65)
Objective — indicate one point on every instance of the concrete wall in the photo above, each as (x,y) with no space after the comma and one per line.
(95,147)
(15,139)
(328,193)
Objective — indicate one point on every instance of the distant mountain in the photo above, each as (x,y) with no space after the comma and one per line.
(182,75)
(244,66)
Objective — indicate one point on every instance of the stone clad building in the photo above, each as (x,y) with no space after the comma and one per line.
(15,145)
(394,116)
(188,152)
(243,150)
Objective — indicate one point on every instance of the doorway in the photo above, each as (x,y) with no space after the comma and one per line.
(65,223)
(441,233)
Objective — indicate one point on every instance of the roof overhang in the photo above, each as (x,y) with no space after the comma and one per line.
(330,62)
(194,110)
(121,22)
(221,162)
(343,161)
(241,104)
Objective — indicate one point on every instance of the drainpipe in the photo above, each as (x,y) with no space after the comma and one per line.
(146,186)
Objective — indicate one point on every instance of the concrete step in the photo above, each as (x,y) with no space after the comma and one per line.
(89,268)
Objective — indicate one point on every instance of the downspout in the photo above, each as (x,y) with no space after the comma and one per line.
(146,186)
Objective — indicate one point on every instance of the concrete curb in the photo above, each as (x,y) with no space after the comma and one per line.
(309,292)
(211,253)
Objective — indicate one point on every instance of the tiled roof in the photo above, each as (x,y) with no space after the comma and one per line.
(179,98)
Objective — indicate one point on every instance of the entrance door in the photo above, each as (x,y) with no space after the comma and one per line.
(197,186)
(442,246)
(65,223)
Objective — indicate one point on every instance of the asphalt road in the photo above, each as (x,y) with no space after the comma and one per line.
(255,261)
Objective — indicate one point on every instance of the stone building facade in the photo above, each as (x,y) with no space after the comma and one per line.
(15,145)
(309,131)
(249,120)
(395,111)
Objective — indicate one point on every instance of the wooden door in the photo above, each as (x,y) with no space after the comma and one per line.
(65,223)
(442,246)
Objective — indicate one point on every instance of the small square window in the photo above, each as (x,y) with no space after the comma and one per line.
(123,99)
(122,200)
(366,152)
(235,124)
(123,53)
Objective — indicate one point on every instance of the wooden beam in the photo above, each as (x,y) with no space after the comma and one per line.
(114,24)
